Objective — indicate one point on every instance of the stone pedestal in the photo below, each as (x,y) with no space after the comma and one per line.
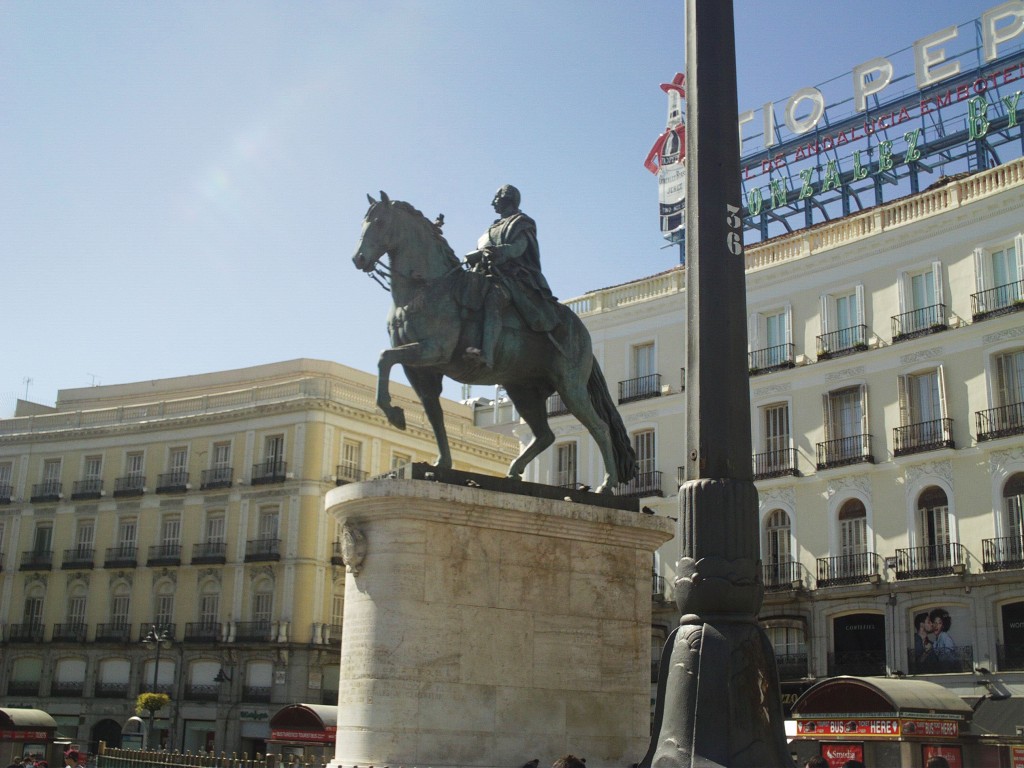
(487,629)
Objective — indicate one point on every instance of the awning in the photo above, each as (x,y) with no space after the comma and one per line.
(1000,716)
(17,718)
(879,695)
(313,723)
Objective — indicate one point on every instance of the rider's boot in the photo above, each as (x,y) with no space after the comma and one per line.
(492,328)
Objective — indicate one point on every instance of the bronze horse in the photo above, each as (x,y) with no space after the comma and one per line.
(429,334)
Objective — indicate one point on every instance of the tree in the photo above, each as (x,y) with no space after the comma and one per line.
(151,702)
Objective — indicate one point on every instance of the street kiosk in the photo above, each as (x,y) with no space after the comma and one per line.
(28,732)
(305,731)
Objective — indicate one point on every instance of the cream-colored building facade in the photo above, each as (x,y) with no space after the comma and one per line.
(196,504)
(887,403)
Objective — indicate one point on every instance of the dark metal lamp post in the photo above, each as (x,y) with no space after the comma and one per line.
(161,637)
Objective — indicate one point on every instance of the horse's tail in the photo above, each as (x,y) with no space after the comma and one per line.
(622,447)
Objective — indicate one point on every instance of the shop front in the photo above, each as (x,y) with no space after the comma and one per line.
(28,732)
(886,721)
(304,730)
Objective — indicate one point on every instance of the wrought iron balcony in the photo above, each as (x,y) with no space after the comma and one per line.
(46,491)
(172,482)
(36,560)
(114,632)
(926,436)
(6,493)
(791,666)
(69,633)
(132,485)
(771,359)
(202,692)
(658,587)
(644,484)
(1001,300)
(939,660)
(256,693)
(556,406)
(25,633)
(210,552)
(640,388)
(259,550)
(90,488)
(857,568)
(932,560)
(783,576)
(202,632)
(857,663)
(218,477)
(842,342)
(106,690)
(1003,421)
(270,471)
(68,688)
(919,322)
(337,558)
(254,632)
(843,451)
(22,687)
(164,554)
(777,463)
(1010,656)
(347,473)
(124,556)
(1003,554)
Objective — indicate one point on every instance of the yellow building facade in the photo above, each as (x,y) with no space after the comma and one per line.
(193,505)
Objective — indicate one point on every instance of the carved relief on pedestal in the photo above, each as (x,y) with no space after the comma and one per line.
(353,548)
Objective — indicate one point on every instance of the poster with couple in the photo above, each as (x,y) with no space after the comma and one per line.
(935,646)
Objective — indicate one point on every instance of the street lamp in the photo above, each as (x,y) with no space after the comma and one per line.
(160,637)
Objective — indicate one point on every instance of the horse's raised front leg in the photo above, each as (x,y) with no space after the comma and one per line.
(415,354)
(427,384)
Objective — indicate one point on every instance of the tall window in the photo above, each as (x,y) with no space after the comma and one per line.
(76,606)
(922,407)
(845,426)
(775,421)
(273,449)
(92,468)
(268,523)
(853,537)
(1005,266)
(337,609)
(85,532)
(221,456)
(1010,378)
(6,481)
(134,464)
(164,608)
(643,444)
(998,274)
(777,549)
(351,460)
(51,476)
(170,530)
(120,602)
(933,524)
(788,642)
(42,538)
(644,363)
(921,299)
(127,529)
(263,603)
(209,605)
(177,463)
(842,320)
(565,465)
(214,531)
(1013,508)
(32,616)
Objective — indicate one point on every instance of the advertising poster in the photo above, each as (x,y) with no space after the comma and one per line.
(938,633)
(838,754)
(951,752)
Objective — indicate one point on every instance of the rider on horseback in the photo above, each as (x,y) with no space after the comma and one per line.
(508,253)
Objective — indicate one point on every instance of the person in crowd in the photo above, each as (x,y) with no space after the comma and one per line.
(945,648)
(937,761)
(816,762)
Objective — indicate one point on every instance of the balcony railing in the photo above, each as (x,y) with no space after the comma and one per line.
(919,322)
(202,692)
(644,484)
(1001,300)
(164,554)
(69,633)
(556,406)
(843,451)
(270,471)
(25,633)
(90,488)
(256,693)
(218,477)
(932,560)
(640,388)
(207,552)
(657,587)
(935,660)
(346,473)
(259,550)
(23,687)
(782,576)
(1004,554)
(925,436)
(202,632)
(842,342)
(6,493)
(36,560)
(254,632)
(1010,656)
(124,556)
(791,666)
(771,359)
(111,690)
(68,688)
(1003,421)
(132,485)
(48,490)
(114,632)
(172,482)
(777,463)
(857,663)
(856,568)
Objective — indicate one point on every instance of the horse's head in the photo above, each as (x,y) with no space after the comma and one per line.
(375,238)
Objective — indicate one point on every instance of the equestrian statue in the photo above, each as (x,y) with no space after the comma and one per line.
(489,320)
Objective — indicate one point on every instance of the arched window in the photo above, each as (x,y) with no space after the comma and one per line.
(777,550)
(933,519)
(853,527)
(1013,506)
(790,649)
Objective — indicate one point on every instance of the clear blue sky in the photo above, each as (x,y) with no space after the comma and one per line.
(182,183)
